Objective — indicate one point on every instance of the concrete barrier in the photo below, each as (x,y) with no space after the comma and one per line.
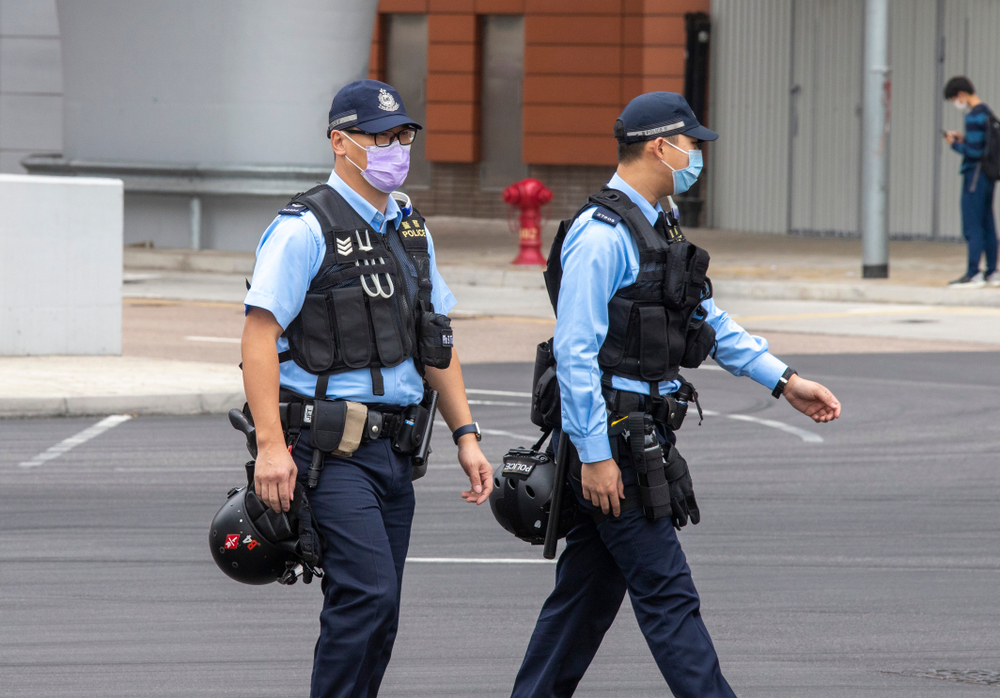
(60,265)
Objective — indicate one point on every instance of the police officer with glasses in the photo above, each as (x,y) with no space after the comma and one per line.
(633,306)
(346,338)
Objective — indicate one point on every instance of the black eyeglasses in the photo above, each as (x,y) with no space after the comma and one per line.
(385,138)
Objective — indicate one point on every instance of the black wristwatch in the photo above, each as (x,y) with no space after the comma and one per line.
(783,381)
(467,429)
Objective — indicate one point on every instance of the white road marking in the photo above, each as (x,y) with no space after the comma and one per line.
(497,402)
(481,560)
(217,340)
(227,469)
(504,393)
(807,436)
(74,441)
(494,432)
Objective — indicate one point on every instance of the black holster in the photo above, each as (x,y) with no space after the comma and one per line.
(647,459)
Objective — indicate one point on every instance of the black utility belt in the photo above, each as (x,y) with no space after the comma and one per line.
(378,424)
(668,410)
(341,426)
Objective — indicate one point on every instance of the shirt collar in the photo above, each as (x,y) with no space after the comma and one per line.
(365,209)
(650,212)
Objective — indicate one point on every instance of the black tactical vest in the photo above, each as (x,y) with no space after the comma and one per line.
(369,299)
(656,326)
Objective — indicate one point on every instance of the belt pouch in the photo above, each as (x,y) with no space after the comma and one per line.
(647,459)
(436,340)
(337,426)
(410,432)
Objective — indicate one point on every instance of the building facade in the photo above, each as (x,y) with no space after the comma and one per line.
(508,89)
(786,96)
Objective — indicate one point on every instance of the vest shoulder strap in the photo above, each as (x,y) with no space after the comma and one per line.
(413,233)
(642,232)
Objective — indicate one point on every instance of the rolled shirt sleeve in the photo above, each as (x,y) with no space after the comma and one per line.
(594,266)
(741,353)
(288,246)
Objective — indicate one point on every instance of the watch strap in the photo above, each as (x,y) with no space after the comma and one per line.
(783,381)
(467,429)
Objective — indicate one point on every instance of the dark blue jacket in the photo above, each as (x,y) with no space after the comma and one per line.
(974,147)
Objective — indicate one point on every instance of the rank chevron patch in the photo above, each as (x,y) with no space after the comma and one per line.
(344,246)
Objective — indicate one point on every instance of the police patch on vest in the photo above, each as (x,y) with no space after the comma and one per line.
(411,228)
(606,216)
(293,210)
(674,234)
(345,246)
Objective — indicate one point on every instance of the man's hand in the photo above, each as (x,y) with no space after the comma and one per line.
(479,470)
(274,476)
(602,485)
(812,399)
(953,137)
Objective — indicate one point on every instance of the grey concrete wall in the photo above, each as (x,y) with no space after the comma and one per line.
(228,222)
(30,81)
(189,81)
(60,265)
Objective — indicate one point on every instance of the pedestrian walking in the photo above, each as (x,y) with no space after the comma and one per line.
(346,335)
(633,306)
(978,224)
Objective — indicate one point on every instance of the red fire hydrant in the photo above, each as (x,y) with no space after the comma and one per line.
(529,195)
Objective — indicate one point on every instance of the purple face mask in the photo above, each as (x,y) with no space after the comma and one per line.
(387,167)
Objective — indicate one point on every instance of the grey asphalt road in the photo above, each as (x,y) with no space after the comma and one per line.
(853,566)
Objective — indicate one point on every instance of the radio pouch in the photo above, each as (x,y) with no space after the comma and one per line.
(410,433)
(436,340)
(337,426)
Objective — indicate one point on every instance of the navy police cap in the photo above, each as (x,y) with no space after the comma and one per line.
(658,115)
(370,106)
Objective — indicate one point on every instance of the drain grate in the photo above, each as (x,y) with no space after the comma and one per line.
(973,676)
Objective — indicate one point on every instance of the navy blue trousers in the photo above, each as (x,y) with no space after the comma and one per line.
(363,509)
(978,225)
(599,564)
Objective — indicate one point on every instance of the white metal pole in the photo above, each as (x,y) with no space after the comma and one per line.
(875,144)
(195,223)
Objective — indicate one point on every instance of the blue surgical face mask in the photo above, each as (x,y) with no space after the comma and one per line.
(684,179)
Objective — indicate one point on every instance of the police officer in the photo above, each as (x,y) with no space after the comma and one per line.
(618,353)
(346,298)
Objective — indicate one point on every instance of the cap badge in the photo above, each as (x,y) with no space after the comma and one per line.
(386,101)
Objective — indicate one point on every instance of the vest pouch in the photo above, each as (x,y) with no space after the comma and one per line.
(619,316)
(675,274)
(317,347)
(546,402)
(544,360)
(653,352)
(388,333)
(351,318)
(435,340)
(699,344)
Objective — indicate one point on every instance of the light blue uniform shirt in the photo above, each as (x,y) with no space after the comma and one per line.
(597,260)
(289,255)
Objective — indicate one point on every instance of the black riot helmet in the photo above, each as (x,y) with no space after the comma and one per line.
(253,544)
(522,495)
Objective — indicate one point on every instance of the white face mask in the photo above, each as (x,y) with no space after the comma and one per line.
(960,105)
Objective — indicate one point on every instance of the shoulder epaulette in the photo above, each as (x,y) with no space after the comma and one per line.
(293,209)
(605,215)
